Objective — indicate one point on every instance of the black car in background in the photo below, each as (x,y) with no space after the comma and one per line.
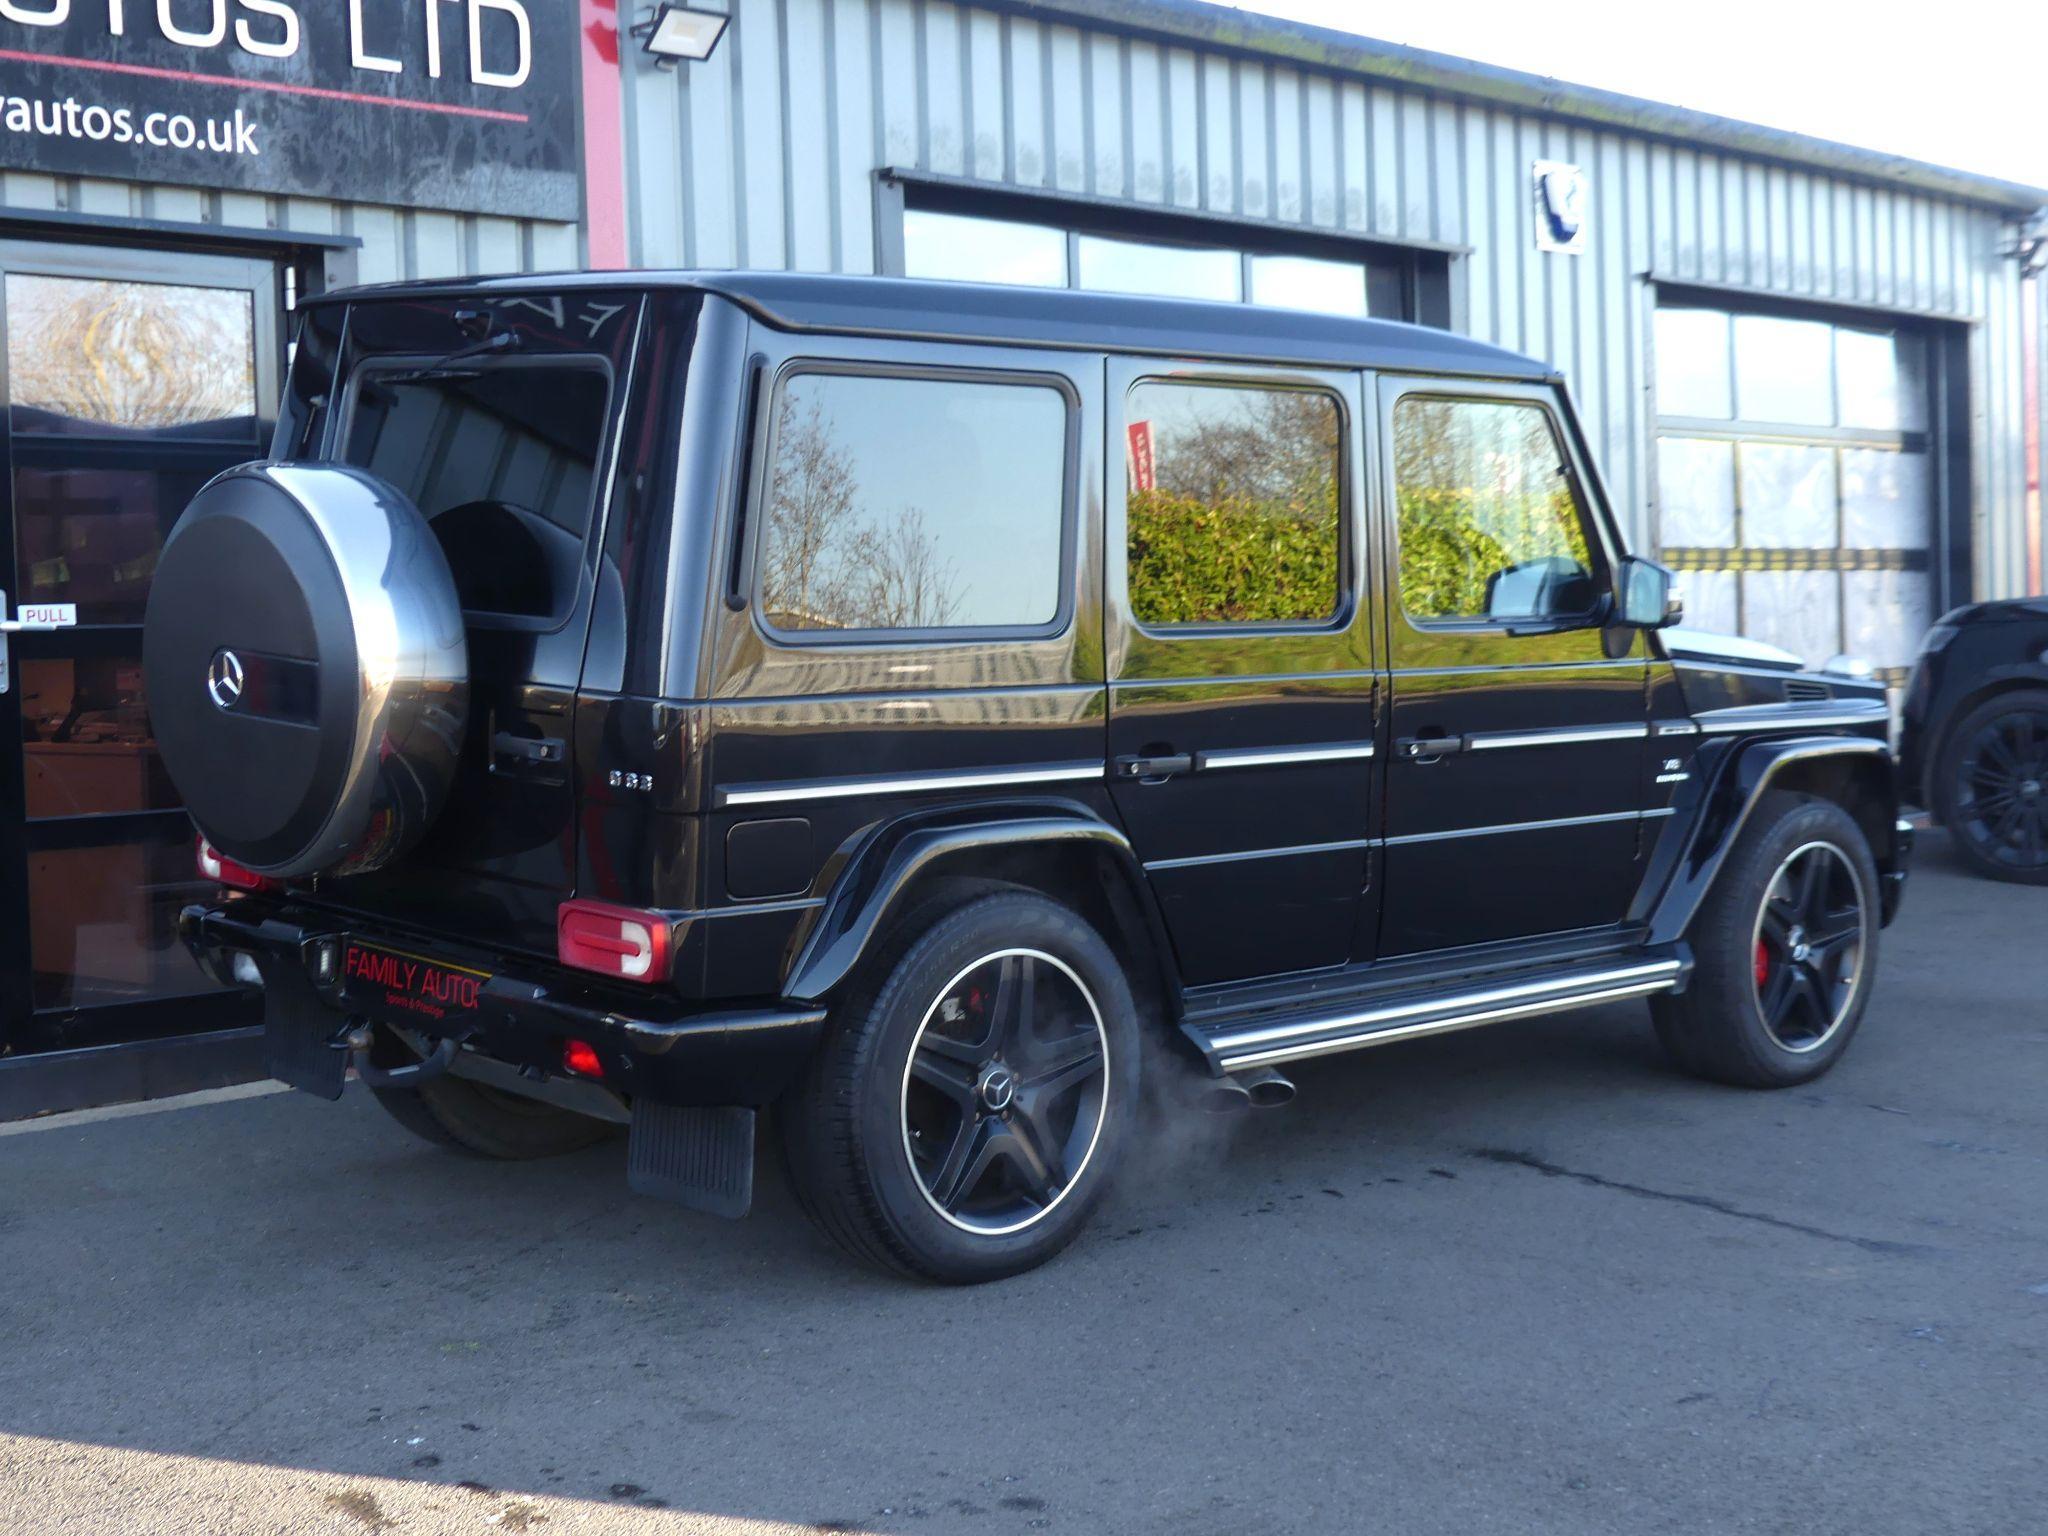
(1974,748)
(924,711)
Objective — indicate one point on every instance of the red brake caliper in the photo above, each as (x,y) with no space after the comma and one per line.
(1763,963)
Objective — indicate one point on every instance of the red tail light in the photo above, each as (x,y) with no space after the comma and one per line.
(213,866)
(622,942)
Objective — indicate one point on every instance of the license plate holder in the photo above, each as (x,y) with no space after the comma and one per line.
(418,992)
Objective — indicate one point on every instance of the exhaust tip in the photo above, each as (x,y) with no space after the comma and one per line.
(1227,1097)
(1267,1089)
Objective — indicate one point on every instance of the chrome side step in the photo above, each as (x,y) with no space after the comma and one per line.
(1257,1044)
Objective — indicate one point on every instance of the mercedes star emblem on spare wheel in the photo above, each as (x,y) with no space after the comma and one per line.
(224,679)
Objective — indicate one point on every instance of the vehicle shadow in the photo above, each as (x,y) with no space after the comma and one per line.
(1538,1232)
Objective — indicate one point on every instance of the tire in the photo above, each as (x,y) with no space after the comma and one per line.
(1991,787)
(973,1094)
(1784,948)
(471,1117)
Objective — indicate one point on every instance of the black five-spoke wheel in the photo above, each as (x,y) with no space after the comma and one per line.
(1004,1091)
(1809,945)
(2001,789)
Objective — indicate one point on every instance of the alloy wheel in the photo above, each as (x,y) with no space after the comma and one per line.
(1005,1091)
(1809,942)
(2002,790)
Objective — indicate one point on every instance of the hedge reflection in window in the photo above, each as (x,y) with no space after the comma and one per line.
(1232,508)
(1489,528)
(913,504)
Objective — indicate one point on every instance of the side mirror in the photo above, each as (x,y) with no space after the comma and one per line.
(1649,594)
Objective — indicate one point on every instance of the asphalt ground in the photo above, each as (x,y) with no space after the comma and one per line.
(1524,1279)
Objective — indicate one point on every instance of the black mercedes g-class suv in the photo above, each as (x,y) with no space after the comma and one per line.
(654,698)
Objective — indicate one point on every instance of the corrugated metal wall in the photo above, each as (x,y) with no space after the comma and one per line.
(764,157)
(397,242)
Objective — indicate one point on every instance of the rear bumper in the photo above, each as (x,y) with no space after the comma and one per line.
(650,1045)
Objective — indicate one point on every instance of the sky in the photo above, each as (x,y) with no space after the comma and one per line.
(1962,83)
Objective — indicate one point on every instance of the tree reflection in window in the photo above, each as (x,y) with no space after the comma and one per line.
(898,504)
(1489,528)
(1232,509)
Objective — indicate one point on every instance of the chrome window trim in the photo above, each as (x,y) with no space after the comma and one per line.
(1250,1047)
(1794,717)
(1292,851)
(904,784)
(1495,741)
(1523,826)
(1277,757)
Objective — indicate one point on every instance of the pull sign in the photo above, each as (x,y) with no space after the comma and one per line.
(32,616)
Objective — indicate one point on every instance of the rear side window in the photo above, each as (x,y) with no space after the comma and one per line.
(1490,531)
(913,504)
(1232,505)
(502,460)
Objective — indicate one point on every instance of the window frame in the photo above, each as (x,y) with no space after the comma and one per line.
(343,430)
(1346,610)
(763,435)
(1585,489)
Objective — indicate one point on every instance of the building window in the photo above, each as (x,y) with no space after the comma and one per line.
(1489,529)
(1796,482)
(1174,257)
(1232,506)
(913,504)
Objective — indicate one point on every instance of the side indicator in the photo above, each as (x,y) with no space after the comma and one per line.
(622,942)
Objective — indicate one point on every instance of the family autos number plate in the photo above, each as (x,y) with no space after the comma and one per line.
(409,989)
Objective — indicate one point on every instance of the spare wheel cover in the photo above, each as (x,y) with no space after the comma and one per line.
(307,675)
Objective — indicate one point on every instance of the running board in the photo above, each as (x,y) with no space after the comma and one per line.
(1276,1037)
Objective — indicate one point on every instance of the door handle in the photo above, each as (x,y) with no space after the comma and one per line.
(526,749)
(1155,767)
(1427,749)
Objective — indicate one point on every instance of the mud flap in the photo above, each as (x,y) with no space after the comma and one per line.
(699,1158)
(302,1043)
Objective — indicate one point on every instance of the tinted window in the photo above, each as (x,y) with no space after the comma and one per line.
(503,462)
(1233,508)
(913,504)
(1489,528)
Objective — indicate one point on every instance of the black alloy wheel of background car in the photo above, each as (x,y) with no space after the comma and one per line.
(1993,785)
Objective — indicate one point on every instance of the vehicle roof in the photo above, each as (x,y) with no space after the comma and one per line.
(1042,317)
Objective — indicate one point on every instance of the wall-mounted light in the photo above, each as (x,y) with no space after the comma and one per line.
(676,32)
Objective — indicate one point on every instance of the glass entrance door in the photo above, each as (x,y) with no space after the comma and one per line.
(130,378)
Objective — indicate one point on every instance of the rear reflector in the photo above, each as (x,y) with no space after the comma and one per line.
(580,1057)
(212,866)
(622,942)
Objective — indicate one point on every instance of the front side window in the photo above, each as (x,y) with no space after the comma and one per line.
(1233,508)
(502,461)
(1490,531)
(913,503)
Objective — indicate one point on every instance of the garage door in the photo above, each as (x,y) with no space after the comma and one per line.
(1796,484)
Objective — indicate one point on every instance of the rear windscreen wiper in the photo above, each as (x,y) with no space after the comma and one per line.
(444,367)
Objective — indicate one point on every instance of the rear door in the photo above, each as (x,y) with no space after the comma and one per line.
(1242,693)
(507,447)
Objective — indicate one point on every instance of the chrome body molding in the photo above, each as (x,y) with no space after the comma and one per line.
(1520,826)
(1495,741)
(1676,728)
(1280,757)
(1355,1030)
(1673,778)
(1259,853)
(1802,716)
(906,784)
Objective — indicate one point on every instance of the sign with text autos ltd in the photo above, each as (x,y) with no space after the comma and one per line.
(465,105)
